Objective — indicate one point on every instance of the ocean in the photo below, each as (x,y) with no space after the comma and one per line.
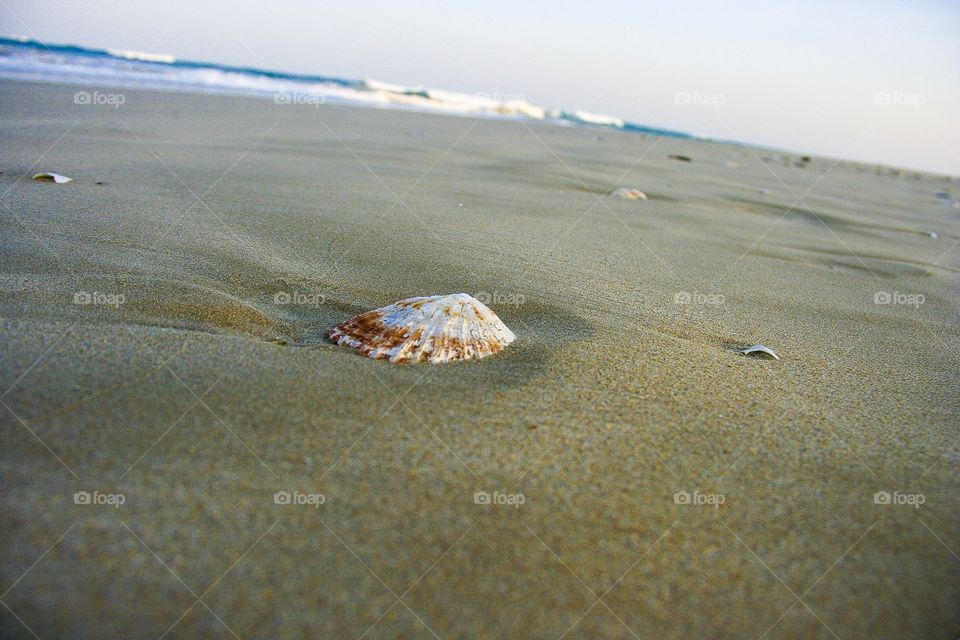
(25,59)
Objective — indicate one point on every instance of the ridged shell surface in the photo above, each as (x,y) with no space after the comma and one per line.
(426,329)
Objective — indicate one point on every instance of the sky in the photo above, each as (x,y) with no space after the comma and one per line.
(870,80)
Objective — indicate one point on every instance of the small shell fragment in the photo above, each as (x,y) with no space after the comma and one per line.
(52,177)
(426,329)
(629,194)
(759,350)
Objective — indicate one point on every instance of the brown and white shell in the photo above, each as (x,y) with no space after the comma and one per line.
(426,329)
(627,193)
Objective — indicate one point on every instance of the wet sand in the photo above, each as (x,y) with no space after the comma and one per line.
(163,320)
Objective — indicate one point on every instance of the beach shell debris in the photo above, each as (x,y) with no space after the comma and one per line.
(758,350)
(51,177)
(627,193)
(426,329)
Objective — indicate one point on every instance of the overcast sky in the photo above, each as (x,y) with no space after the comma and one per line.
(870,80)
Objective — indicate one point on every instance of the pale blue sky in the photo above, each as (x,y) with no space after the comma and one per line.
(798,75)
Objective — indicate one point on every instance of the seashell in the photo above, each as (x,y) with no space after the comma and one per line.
(629,194)
(426,329)
(759,349)
(51,177)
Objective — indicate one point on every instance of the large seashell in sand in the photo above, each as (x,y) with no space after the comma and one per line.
(427,329)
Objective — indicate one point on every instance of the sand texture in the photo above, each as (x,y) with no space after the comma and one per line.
(217,239)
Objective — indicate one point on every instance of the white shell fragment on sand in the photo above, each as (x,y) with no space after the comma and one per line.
(759,350)
(52,177)
(426,329)
(629,194)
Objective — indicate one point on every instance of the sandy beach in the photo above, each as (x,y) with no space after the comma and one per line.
(170,396)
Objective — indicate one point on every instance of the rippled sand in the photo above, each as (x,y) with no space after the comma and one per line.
(696,492)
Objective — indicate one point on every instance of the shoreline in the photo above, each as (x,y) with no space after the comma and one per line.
(630,127)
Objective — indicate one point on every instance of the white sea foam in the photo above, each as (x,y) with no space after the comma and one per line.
(164,58)
(28,59)
(596,118)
